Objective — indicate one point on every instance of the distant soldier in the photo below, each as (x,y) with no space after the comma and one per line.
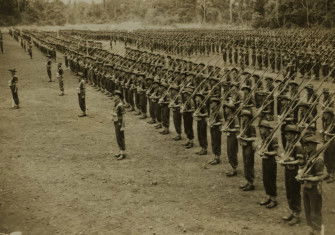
(82,97)
(49,68)
(14,89)
(30,50)
(119,124)
(60,73)
(1,42)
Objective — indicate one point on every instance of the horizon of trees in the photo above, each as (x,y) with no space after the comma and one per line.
(256,13)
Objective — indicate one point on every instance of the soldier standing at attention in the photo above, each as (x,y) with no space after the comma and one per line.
(30,50)
(231,130)
(269,165)
(311,176)
(60,73)
(49,68)
(119,124)
(215,123)
(292,160)
(82,97)
(247,138)
(14,89)
(1,42)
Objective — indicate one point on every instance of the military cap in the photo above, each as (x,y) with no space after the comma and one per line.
(311,139)
(325,90)
(215,99)
(292,128)
(303,104)
(293,83)
(174,87)
(229,105)
(12,70)
(118,93)
(164,84)
(234,69)
(188,90)
(284,97)
(199,94)
(267,124)
(246,88)
(309,86)
(329,110)
(246,112)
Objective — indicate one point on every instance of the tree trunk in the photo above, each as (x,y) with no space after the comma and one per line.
(231,11)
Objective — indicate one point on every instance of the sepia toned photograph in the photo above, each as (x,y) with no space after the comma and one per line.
(167,117)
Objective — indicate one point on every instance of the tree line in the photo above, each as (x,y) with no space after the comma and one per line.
(256,13)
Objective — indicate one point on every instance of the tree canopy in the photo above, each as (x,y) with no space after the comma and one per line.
(257,13)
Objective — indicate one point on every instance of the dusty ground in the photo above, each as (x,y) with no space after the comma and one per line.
(57,175)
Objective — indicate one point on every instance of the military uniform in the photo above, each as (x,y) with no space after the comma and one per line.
(60,73)
(82,97)
(14,89)
(118,117)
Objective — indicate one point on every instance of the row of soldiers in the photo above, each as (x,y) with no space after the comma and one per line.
(230,102)
(272,51)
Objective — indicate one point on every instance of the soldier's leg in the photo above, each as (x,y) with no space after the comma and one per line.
(216,135)
(177,124)
(159,116)
(316,208)
(232,150)
(248,160)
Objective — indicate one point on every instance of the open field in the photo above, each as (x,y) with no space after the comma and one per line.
(58,176)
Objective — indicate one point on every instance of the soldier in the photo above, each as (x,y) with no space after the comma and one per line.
(292,160)
(231,128)
(49,63)
(201,118)
(60,73)
(1,42)
(175,103)
(247,139)
(165,111)
(215,123)
(82,97)
(187,110)
(311,176)
(30,50)
(119,124)
(269,165)
(14,89)
(328,132)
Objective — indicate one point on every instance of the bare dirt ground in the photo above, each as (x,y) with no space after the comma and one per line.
(57,175)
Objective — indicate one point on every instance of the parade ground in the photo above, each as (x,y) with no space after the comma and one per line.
(58,174)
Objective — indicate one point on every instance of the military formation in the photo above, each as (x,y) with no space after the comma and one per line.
(260,113)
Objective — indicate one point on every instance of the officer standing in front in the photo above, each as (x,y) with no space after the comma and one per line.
(119,124)
(14,89)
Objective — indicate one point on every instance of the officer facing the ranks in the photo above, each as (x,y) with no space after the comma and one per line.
(311,176)
(14,89)
(119,124)
(82,97)
(60,73)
